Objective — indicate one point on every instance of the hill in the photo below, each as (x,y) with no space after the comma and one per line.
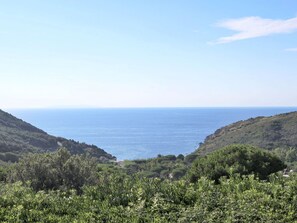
(18,137)
(279,131)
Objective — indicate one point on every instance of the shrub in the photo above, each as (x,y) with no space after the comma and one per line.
(235,159)
(56,170)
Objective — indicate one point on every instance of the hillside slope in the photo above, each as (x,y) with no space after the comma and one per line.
(264,132)
(18,137)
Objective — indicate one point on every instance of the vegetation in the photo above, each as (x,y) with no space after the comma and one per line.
(287,155)
(131,199)
(264,132)
(164,167)
(57,170)
(60,187)
(235,159)
(18,138)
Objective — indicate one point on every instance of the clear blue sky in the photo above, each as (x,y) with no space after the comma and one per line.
(150,53)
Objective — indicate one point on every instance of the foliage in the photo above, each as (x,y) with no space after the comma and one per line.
(129,199)
(235,159)
(164,167)
(287,155)
(85,191)
(56,170)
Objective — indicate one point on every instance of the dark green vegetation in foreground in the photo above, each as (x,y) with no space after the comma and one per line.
(53,171)
(18,137)
(236,159)
(151,200)
(113,196)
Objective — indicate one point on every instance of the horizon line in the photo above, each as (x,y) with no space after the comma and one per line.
(134,107)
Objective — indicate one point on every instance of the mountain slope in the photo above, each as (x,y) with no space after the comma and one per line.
(264,132)
(18,137)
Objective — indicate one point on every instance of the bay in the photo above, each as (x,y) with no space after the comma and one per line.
(134,133)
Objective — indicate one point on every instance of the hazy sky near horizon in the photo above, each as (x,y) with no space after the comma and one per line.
(169,53)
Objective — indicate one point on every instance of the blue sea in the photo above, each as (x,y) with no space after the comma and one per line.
(140,132)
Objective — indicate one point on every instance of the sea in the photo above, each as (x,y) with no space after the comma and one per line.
(136,133)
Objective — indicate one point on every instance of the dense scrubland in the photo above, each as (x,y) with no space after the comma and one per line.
(60,187)
(235,183)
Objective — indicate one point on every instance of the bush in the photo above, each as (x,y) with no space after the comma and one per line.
(56,170)
(235,159)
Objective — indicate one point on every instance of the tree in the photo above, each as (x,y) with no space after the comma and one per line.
(235,159)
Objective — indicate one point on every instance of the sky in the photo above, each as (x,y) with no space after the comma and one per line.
(149,53)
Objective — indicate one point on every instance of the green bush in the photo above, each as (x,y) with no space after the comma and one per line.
(235,159)
(56,170)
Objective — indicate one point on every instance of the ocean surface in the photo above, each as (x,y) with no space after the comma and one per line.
(140,132)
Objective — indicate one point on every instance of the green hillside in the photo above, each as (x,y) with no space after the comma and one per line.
(18,137)
(279,131)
